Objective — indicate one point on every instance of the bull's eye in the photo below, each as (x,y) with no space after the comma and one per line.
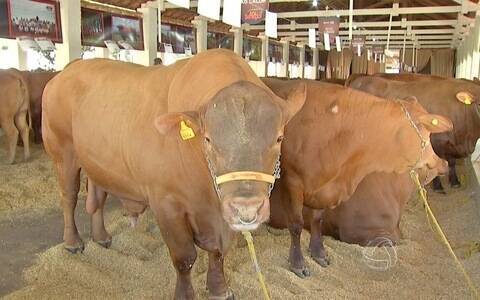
(280,139)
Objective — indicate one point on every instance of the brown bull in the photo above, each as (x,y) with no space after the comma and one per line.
(339,137)
(197,141)
(459,100)
(36,82)
(372,215)
(14,108)
(405,77)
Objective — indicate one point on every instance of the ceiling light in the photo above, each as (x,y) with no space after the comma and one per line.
(315,3)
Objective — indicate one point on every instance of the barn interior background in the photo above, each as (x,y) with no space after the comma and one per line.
(438,37)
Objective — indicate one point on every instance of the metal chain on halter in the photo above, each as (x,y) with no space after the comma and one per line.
(212,174)
(276,173)
(423,142)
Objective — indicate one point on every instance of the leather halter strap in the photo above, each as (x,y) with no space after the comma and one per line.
(244,175)
(423,143)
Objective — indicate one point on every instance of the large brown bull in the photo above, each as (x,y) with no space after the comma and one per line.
(339,137)
(372,215)
(36,82)
(405,77)
(458,100)
(14,108)
(197,141)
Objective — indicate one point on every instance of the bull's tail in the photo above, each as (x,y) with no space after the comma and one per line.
(25,93)
(26,97)
(29,112)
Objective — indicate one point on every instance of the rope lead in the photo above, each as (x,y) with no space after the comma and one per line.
(251,249)
(423,195)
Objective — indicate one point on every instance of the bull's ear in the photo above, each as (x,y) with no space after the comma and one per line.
(435,123)
(465,98)
(295,101)
(411,99)
(186,124)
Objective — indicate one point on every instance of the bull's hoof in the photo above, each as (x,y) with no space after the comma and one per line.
(228,296)
(440,191)
(456,185)
(302,272)
(105,244)
(75,249)
(322,261)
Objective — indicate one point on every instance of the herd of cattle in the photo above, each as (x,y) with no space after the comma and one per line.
(199,143)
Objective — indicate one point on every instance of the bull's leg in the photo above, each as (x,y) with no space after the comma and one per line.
(11,136)
(98,231)
(69,178)
(216,284)
(452,174)
(317,249)
(37,121)
(437,185)
(294,205)
(178,237)
(24,130)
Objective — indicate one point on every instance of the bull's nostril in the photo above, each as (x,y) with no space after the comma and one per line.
(250,222)
(233,208)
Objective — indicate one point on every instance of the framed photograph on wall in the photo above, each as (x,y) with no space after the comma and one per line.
(4,19)
(128,29)
(36,18)
(93,29)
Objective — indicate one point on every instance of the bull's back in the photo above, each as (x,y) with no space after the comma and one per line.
(218,66)
(96,103)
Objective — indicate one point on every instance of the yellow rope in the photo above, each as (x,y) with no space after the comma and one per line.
(251,249)
(430,215)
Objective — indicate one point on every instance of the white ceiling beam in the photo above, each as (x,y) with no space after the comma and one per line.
(346,42)
(376,11)
(394,12)
(374,32)
(195,3)
(407,46)
(418,37)
(350,20)
(366,24)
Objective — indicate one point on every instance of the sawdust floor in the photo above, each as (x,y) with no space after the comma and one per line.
(33,264)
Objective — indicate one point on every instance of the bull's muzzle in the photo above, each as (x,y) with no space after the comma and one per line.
(244,213)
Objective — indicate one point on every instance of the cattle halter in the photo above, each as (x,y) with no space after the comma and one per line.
(245,175)
(423,142)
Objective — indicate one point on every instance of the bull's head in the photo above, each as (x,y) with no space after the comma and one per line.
(241,131)
(416,132)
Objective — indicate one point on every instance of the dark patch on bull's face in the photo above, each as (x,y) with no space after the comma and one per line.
(243,129)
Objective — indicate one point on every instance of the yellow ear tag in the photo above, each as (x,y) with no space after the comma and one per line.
(186,132)
(465,97)
(435,122)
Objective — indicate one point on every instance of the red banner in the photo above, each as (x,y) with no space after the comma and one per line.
(378,49)
(358,40)
(330,25)
(253,11)
(358,43)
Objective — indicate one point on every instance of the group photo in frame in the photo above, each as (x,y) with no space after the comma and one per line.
(36,18)
(128,29)
(93,28)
